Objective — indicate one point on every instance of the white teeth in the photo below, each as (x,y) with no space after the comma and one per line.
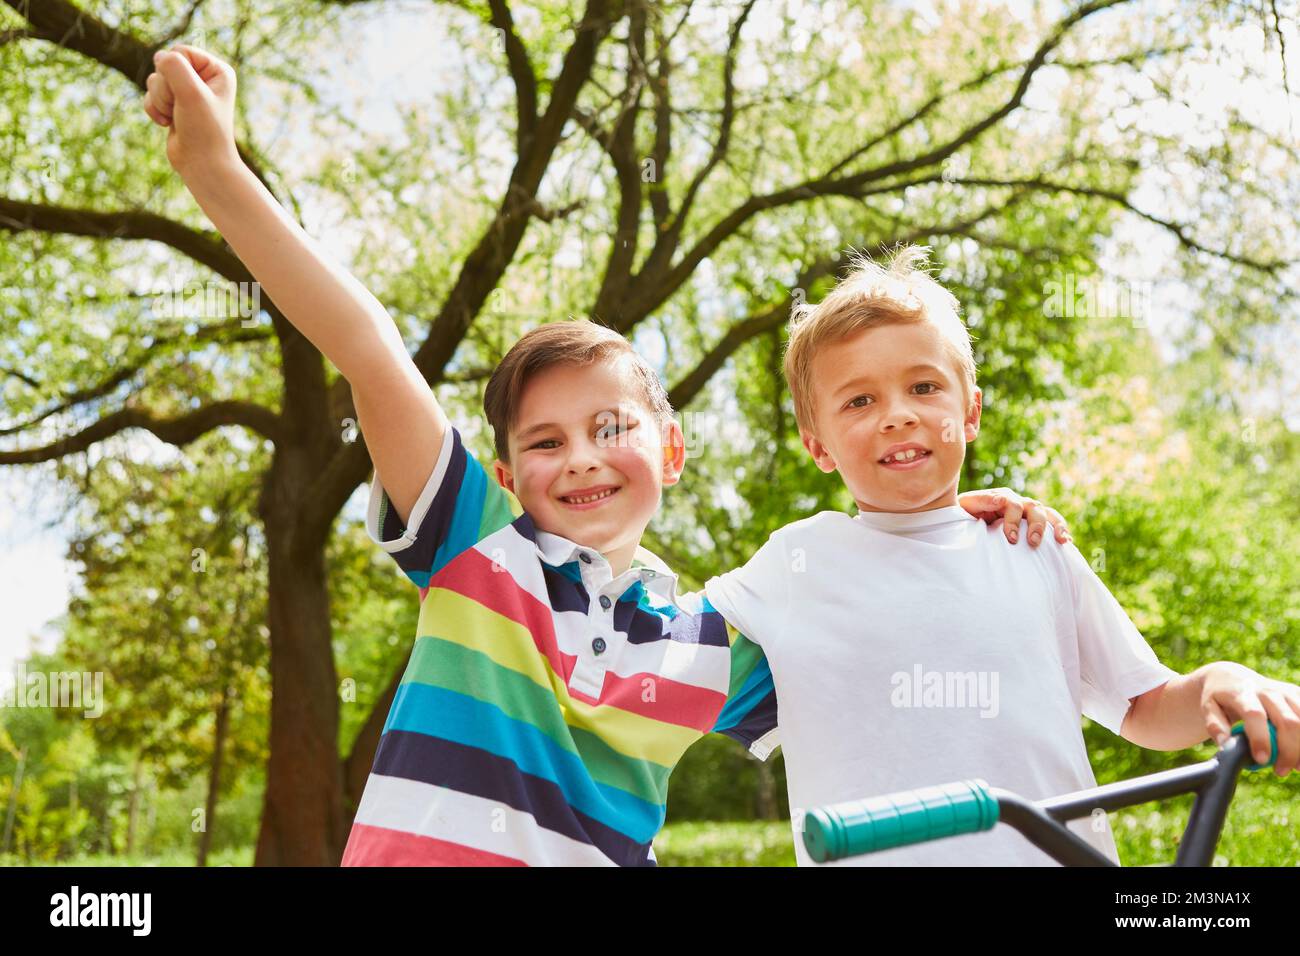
(583,499)
(907,455)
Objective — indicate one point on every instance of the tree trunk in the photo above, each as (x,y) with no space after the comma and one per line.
(151,824)
(13,799)
(133,808)
(214,775)
(73,803)
(302,811)
(356,769)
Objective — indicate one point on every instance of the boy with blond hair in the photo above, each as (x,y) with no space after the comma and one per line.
(557,676)
(909,647)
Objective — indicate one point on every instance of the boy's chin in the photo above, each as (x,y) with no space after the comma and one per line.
(903,503)
(602,529)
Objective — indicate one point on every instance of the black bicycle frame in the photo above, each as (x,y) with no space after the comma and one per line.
(1214,781)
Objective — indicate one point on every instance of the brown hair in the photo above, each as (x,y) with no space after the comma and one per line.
(870,296)
(577,342)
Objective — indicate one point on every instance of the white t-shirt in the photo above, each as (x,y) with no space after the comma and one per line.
(911,650)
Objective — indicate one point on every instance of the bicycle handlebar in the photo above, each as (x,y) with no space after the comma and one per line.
(1240,728)
(915,816)
(899,819)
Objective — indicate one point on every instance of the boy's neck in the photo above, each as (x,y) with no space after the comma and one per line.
(947,500)
(620,559)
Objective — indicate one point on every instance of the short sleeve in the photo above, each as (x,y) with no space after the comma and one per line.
(749,716)
(459,506)
(754,598)
(1115,661)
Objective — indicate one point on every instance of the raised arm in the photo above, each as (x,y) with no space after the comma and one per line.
(193,95)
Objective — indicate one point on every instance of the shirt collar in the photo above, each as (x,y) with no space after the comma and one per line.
(912,521)
(647,567)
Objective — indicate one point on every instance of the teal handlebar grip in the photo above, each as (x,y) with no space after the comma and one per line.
(1240,728)
(898,819)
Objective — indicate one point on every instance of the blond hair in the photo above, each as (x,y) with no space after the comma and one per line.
(577,342)
(872,295)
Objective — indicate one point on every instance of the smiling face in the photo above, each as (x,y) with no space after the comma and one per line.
(587,458)
(884,390)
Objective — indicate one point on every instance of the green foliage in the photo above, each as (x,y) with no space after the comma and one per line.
(718,780)
(374,609)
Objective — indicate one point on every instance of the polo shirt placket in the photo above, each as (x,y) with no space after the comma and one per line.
(600,653)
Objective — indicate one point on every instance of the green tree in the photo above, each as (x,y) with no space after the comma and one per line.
(179,637)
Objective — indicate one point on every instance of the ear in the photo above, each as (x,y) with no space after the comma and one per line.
(674,446)
(820,453)
(505,477)
(972,424)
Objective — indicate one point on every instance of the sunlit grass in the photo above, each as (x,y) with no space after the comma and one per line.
(1263,829)
(232,856)
(751,843)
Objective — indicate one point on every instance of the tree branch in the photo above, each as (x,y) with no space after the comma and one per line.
(667,240)
(620,144)
(302,365)
(663,143)
(972,132)
(521,71)
(65,24)
(681,394)
(483,267)
(980,79)
(1270,267)
(182,26)
(22,377)
(232,331)
(331,489)
(694,381)
(177,431)
(204,248)
(657,281)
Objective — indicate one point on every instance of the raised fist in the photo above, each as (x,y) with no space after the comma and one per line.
(192,93)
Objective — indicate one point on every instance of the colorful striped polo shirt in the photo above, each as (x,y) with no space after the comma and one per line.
(545,703)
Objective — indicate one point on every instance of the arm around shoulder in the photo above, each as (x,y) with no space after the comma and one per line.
(755,598)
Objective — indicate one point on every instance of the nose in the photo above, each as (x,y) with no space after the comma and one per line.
(898,414)
(583,458)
